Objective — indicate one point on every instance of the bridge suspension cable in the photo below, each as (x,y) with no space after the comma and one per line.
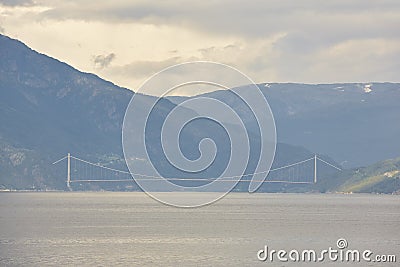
(295,173)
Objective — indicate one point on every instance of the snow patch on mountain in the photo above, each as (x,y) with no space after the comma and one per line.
(367,88)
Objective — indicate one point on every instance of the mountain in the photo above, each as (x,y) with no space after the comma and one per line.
(381,177)
(356,124)
(48,109)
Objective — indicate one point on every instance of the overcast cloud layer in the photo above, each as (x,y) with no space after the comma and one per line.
(271,41)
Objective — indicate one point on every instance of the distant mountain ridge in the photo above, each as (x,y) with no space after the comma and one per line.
(354,123)
(381,177)
(48,108)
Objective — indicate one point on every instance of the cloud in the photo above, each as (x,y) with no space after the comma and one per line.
(133,74)
(169,78)
(270,41)
(141,69)
(2,30)
(16,2)
(340,18)
(103,61)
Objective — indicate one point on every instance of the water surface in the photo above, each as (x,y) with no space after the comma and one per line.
(131,229)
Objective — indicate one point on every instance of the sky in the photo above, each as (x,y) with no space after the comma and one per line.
(125,41)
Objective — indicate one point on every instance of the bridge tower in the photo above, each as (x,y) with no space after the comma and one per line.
(315,168)
(69,171)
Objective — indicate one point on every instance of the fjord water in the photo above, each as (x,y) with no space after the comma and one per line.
(131,229)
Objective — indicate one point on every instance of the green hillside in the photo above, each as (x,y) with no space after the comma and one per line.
(382,177)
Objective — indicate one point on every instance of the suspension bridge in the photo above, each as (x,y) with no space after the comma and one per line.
(83,171)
